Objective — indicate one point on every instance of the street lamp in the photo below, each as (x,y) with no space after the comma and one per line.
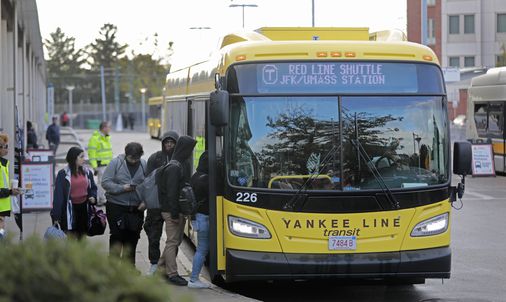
(143,109)
(243,6)
(70,88)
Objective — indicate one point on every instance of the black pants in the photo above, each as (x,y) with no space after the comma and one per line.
(153,225)
(122,243)
(80,216)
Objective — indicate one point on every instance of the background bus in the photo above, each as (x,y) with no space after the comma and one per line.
(329,155)
(485,112)
(155,116)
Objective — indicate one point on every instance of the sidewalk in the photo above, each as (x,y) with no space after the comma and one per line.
(36,223)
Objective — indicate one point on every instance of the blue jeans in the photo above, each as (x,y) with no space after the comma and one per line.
(201,225)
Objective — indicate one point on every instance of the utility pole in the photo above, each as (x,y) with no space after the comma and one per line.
(69,89)
(312,13)
(102,85)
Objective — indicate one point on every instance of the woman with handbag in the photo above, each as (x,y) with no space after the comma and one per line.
(124,215)
(74,189)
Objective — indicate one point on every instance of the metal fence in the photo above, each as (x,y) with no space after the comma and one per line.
(86,116)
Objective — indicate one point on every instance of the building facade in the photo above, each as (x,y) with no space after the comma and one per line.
(23,71)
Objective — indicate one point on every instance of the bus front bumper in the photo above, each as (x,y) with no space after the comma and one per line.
(427,263)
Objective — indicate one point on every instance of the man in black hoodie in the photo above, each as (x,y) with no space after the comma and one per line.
(154,220)
(169,189)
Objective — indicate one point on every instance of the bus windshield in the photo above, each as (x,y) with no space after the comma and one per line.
(278,142)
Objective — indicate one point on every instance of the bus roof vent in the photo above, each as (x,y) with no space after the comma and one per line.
(241,37)
(315,33)
(388,35)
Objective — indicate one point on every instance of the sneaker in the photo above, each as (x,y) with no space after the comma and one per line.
(177,280)
(197,284)
(152,269)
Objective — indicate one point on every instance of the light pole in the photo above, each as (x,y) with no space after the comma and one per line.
(243,6)
(312,13)
(69,89)
(143,109)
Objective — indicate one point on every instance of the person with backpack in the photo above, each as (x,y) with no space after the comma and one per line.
(200,185)
(171,182)
(73,190)
(153,224)
(125,218)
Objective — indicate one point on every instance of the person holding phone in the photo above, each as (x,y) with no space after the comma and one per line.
(125,218)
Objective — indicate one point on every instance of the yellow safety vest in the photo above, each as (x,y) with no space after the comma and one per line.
(99,149)
(5,203)
(200,147)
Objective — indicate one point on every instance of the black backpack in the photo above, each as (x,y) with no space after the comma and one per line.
(188,204)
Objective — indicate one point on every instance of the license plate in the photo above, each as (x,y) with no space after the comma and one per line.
(342,243)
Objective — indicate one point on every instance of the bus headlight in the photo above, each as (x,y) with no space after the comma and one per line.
(245,228)
(433,226)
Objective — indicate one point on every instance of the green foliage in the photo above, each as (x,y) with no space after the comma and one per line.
(106,50)
(71,271)
(65,62)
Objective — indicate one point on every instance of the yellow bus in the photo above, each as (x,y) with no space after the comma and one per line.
(155,116)
(485,112)
(329,155)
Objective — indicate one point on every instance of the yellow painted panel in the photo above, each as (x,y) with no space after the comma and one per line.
(424,213)
(256,215)
(309,232)
(221,260)
(498,148)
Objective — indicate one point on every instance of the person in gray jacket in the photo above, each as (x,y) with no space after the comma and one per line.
(124,215)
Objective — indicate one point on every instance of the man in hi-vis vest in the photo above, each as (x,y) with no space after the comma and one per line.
(6,192)
(100,155)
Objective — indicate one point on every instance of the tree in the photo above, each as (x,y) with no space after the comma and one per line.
(65,62)
(106,51)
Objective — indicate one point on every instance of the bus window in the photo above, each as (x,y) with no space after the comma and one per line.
(480,118)
(495,120)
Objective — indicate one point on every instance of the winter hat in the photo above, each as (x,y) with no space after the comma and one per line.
(73,153)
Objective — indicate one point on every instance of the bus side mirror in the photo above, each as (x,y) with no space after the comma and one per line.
(219,108)
(462,158)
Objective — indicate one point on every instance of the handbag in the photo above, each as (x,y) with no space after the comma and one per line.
(97,221)
(54,232)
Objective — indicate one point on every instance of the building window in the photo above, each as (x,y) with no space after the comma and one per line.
(469,24)
(454,62)
(469,61)
(431,2)
(431,32)
(500,60)
(501,23)
(454,24)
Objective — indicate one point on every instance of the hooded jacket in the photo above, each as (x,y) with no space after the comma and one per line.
(116,175)
(172,178)
(61,199)
(200,184)
(161,158)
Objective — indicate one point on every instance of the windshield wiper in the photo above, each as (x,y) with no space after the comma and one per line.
(377,175)
(290,204)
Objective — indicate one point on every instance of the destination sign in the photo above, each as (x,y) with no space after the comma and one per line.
(353,77)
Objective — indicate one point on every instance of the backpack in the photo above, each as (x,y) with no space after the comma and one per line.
(148,189)
(188,204)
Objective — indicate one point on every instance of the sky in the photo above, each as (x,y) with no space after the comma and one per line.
(138,21)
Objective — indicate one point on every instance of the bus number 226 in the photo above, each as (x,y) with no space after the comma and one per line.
(246,197)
